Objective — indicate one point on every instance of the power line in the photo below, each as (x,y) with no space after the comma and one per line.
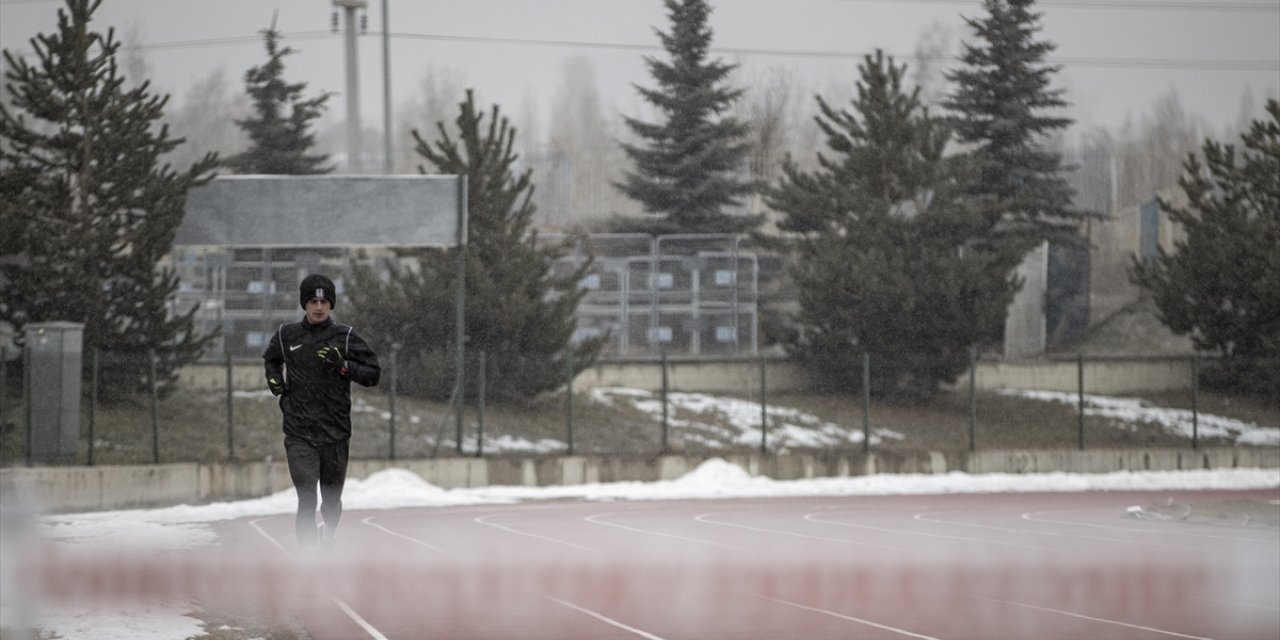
(1200,64)
(217,42)
(1142,63)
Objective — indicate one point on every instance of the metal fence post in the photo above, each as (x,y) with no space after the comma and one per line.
(155,408)
(93,404)
(764,407)
(973,398)
(481,382)
(4,382)
(1195,401)
(26,401)
(459,313)
(866,401)
(391,401)
(231,410)
(568,399)
(664,401)
(1080,401)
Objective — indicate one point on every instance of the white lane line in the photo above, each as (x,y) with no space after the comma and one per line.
(485,521)
(849,618)
(1104,620)
(1249,605)
(603,618)
(812,517)
(705,519)
(364,624)
(594,520)
(369,521)
(1031,517)
(1057,534)
(351,613)
(254,524)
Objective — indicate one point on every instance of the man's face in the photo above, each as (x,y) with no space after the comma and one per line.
(318,310)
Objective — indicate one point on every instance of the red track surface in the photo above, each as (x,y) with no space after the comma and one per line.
(939,566)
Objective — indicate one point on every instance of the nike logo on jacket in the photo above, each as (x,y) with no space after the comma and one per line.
(316,404)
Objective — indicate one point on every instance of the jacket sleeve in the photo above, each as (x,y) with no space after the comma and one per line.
(273,359)
(362,363)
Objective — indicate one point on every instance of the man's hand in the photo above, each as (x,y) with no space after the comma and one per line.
(277,387)
(333,359)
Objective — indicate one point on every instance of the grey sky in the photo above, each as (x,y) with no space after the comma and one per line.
(1118,56)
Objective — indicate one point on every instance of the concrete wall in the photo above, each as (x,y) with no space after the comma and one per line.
(70,489)
(1110,376)
(1115,240)
(1024,323)
(1101,376)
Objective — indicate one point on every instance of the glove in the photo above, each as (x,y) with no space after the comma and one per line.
(277,387)
(333,359)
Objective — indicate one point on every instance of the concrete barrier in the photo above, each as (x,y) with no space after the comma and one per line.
(70,489)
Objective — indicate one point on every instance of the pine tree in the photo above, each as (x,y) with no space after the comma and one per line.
(88,207)
(280,133)
(688,170)
(1001,104)
(881,236)
(1221,284)
(518,311)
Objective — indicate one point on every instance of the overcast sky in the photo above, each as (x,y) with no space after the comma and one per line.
(1118,56)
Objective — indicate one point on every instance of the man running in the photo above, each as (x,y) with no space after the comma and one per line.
(310,365)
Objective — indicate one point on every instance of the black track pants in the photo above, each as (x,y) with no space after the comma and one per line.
(310,465)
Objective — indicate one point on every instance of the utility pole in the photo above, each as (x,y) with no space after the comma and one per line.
(354,151)
(386,90)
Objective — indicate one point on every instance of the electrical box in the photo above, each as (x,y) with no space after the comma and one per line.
(53,387)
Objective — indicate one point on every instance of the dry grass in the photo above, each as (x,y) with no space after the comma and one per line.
(193,425)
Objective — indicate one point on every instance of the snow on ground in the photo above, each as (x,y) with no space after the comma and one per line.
(788,427)
(1180,422)
(95,621)
(187,526)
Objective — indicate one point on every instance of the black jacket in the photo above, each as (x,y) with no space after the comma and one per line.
(317,399)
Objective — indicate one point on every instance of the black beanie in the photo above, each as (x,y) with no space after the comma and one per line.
(317,286)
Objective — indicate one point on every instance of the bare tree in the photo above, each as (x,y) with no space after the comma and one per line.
(767,109)
(579,120)
(932,54)
(1150,154)
(582,158)
(440,91)
(528,138)
(136,68)
(206,119)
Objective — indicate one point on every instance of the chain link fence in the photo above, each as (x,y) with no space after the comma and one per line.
(640,407)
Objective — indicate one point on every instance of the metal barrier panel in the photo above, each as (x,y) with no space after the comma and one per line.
(323,211)
(54,387)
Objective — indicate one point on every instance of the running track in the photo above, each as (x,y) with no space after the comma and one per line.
(1052,565)
(953,566)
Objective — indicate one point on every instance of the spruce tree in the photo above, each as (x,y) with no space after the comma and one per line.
(280,131)
(518,311)
(1002,106)
(883,262)
(688,169)
(89,209)
(1221,284)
